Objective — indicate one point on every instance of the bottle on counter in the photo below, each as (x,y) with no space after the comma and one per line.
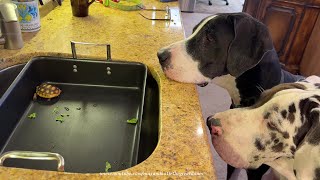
(28,15)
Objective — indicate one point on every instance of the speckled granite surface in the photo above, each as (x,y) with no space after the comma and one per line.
(183,145)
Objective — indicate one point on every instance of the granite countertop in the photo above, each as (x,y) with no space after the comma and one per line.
(183,145)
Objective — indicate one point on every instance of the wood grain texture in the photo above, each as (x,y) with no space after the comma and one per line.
(291,24)
(280,21)
(310,63)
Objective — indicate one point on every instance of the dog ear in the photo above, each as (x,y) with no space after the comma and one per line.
(310,116)
(251,42)
(268,94)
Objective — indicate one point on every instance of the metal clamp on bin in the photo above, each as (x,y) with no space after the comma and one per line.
(74,53)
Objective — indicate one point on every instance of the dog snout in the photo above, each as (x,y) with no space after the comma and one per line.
(163,56)
(214,126)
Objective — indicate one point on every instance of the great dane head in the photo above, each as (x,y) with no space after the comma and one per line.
(220,44)
(283,124)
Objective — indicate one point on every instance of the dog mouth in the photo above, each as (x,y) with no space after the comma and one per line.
(203,84)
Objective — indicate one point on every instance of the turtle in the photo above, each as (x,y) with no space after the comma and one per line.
(47,91)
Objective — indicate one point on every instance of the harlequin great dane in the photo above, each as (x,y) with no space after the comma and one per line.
(282,130)
(233,50)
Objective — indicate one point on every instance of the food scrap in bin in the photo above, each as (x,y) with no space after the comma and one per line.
(32,116)
(60,119)
(108,166)
(132,121)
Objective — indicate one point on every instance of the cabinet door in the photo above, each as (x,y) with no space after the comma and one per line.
(310,63)
(251,7)
(283,21)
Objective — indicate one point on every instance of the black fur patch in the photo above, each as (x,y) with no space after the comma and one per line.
(246,84)
(273,136)
(317,85)
(284,114)
(259,145)
(302,105)
(317,97)
(278,147)
(295,172)
(306,105)
(317,174)
(266,115)
(268,142)
(272,126)
(302,131)
(307,118)
(256,158)
(292,149)
(314,136)
(276,141)
(276,108)
(292,108)
(286,135)
(291,118)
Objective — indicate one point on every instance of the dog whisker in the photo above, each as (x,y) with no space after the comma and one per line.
(260,88)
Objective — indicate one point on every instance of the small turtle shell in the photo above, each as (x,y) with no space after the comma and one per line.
(48,91)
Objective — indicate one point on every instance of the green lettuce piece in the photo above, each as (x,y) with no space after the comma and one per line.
(108,166)
(60,119)
(132,121)
(32,116)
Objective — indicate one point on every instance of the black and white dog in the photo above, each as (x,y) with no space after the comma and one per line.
(282,129)
(233,50)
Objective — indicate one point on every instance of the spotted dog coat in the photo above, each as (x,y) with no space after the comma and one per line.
(281,130)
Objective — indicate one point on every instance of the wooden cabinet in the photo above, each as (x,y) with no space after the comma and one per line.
(290,23)
(310,63)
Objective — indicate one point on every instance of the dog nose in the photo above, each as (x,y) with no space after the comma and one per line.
(163,56)
(214,126)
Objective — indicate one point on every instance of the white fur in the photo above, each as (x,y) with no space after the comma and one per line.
(284,168)
(182,67)
(307,158)
(313,79)
(228,82)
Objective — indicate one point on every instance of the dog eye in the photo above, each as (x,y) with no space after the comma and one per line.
(209,37)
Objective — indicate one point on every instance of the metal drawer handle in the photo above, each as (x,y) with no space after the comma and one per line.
(74,53)
(34,156)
